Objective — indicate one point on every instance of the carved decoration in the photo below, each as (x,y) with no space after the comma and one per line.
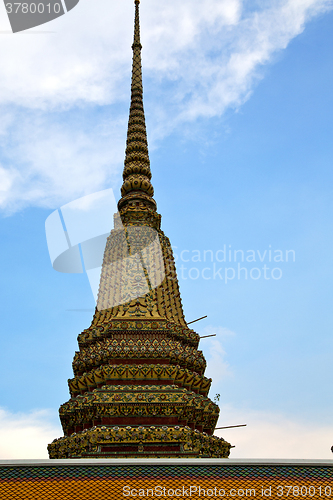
(107,442)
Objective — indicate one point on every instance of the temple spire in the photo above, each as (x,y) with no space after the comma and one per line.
(139,388)
(137,190)
(136,47)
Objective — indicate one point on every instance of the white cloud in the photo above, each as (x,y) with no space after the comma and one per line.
(217,366)
(273,435)
(221,332)
(26,435)
(87,59)
(49,163)
(199,58)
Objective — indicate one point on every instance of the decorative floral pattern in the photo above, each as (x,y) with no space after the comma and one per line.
(106,351)
(90,443)
(139,373)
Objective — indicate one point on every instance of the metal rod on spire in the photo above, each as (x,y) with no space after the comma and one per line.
(230,426)
(195,320)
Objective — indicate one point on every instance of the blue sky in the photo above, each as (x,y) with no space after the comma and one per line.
(239,118)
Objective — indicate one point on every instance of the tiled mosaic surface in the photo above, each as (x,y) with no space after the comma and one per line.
(115,482)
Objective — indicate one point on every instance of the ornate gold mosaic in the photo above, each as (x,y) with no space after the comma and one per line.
(92,442)
(140,374)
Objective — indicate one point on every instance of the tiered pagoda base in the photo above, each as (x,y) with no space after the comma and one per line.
(138,390)
(139,442)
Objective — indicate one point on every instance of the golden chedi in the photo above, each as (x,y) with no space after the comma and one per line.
(139,388)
